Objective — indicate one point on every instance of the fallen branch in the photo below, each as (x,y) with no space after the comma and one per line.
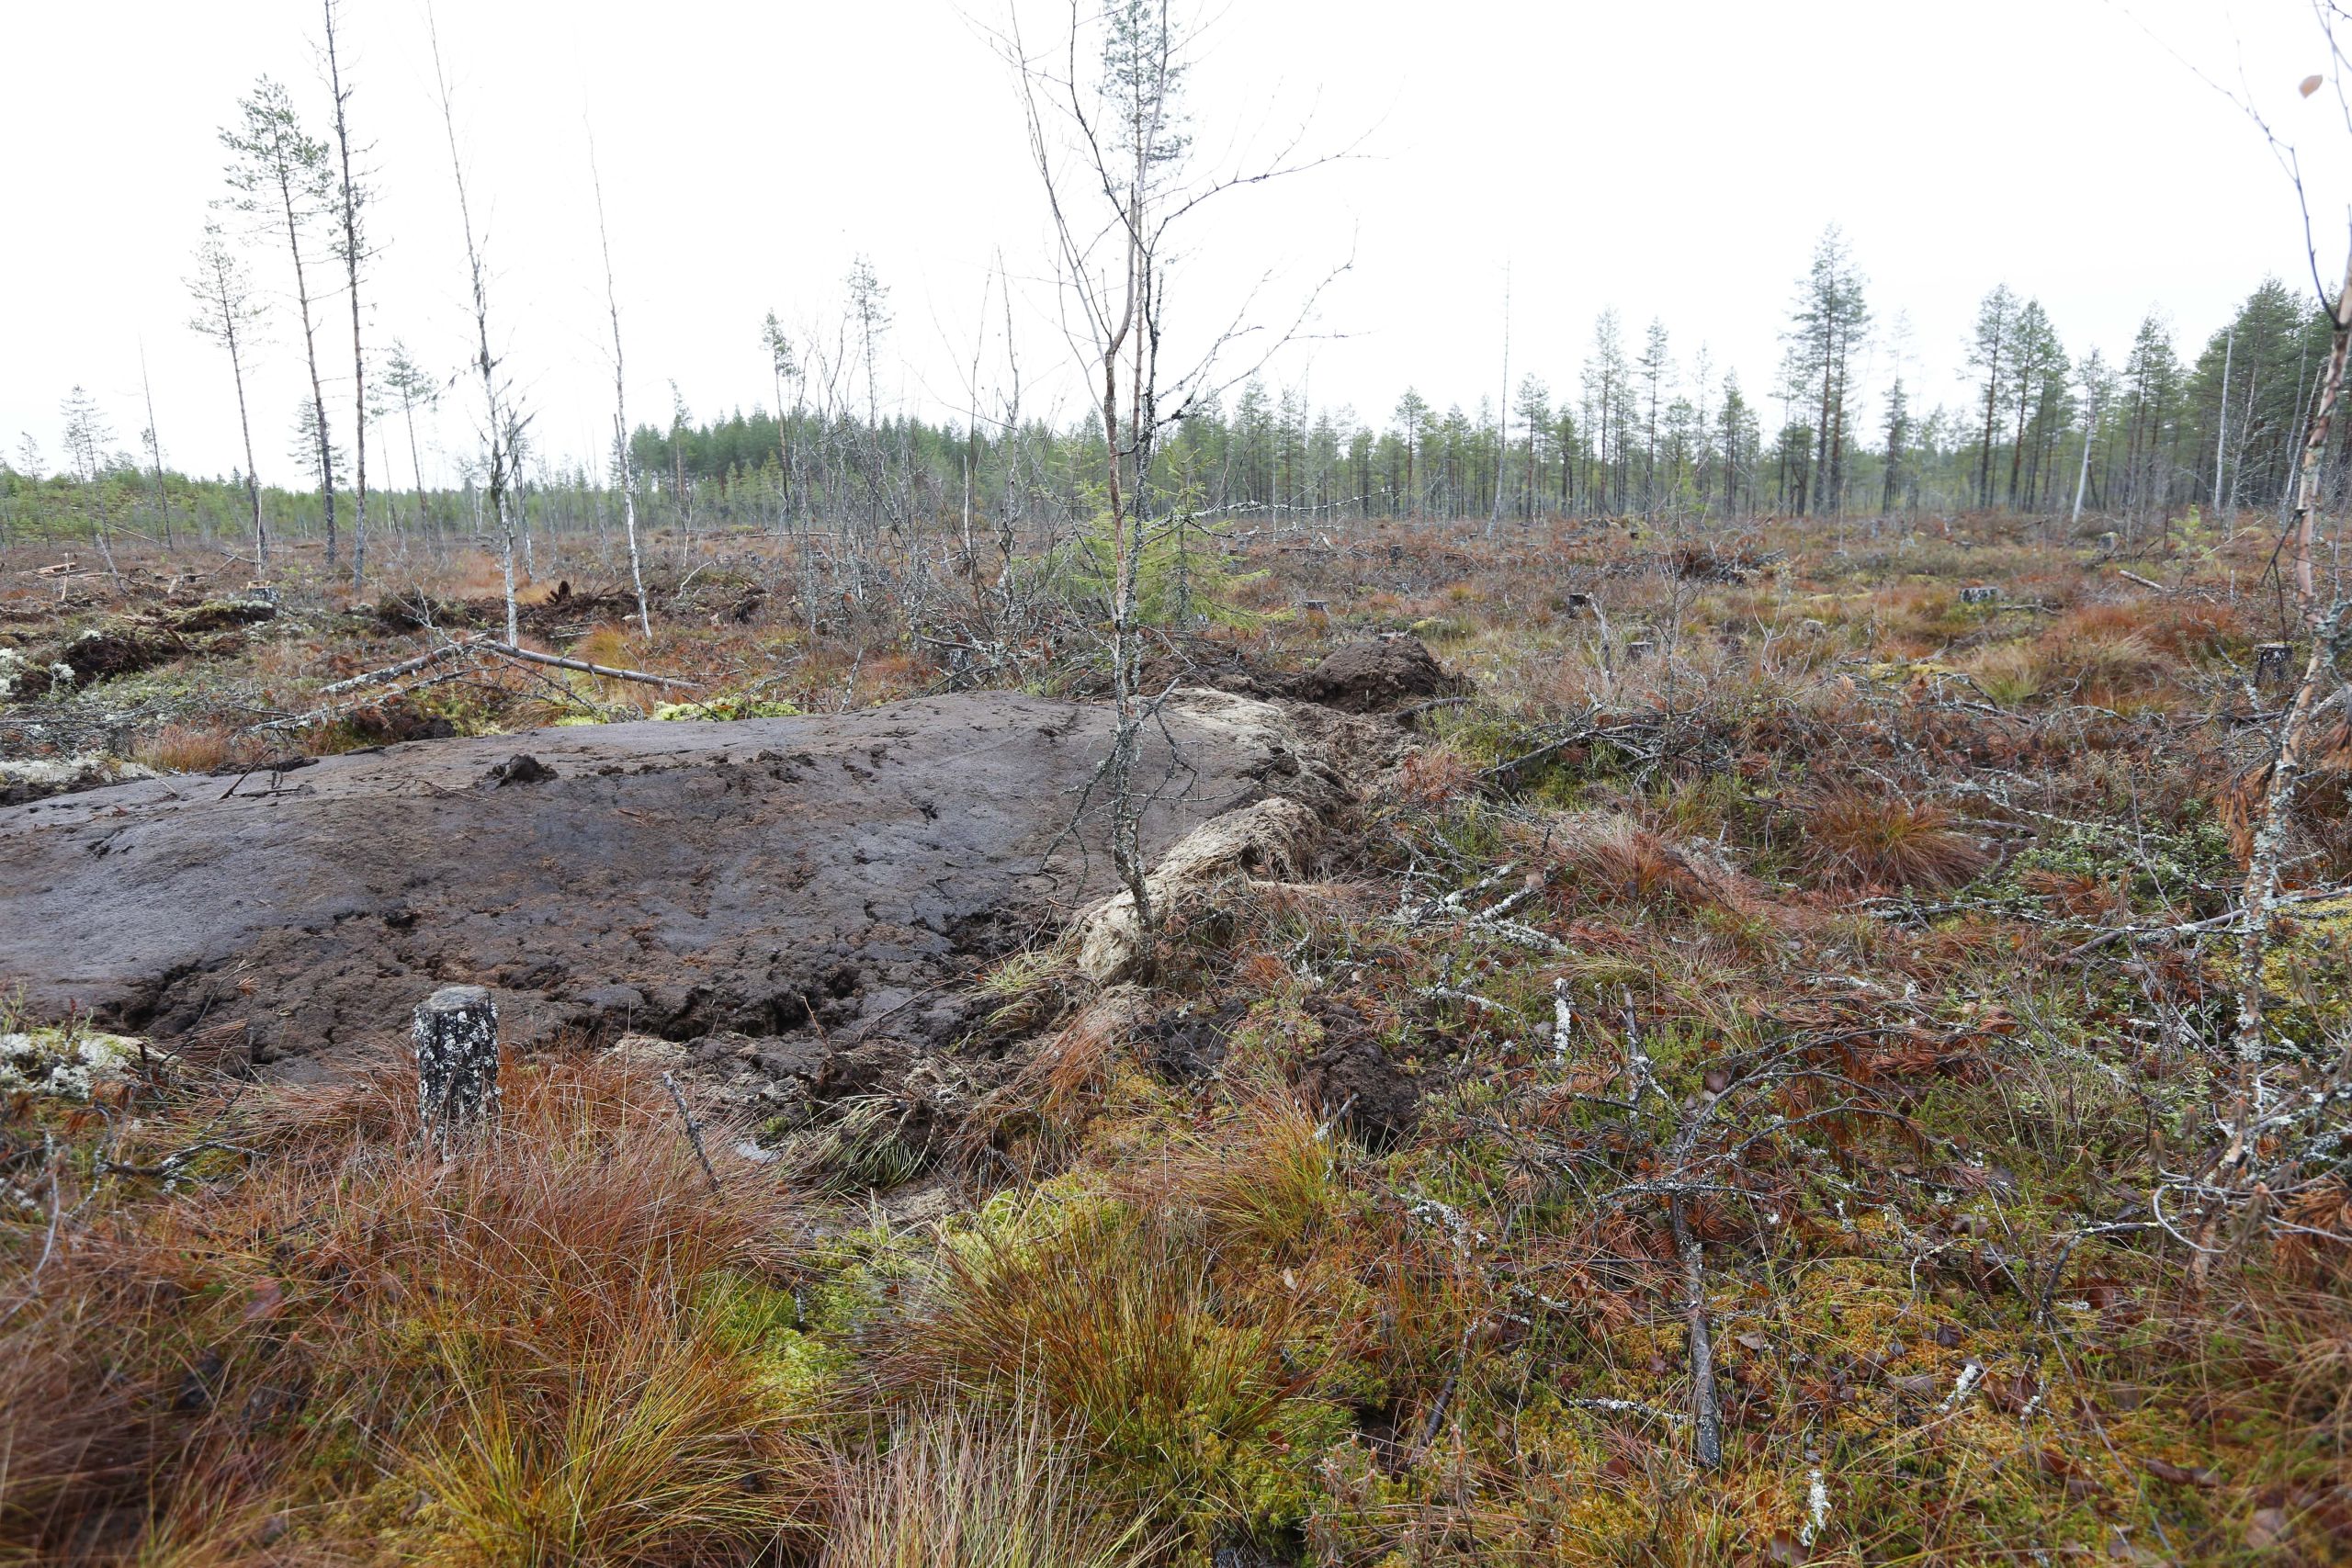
(694,1132)
(1612,734)
(1706,1404)
(2192,928)
(610,672)
(332,710)
(1468,998)
(1628,1407)
(172,1165)
(393,672)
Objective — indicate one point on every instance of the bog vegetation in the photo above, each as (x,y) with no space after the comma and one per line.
(1852,969)
(1830,1045)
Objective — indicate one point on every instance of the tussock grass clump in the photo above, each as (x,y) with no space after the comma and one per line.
(185,747)
(1860,838)
(508,1359)
(2099,656)
(1196,1390)
(2010,674)
(1608,857)
(1275,1190)
(952,1489)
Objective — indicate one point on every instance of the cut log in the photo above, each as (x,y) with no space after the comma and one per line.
(456,1032)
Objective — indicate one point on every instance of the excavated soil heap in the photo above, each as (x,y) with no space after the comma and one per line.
(1377,676)
(825,878)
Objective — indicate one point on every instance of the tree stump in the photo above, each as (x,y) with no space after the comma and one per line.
(456,1032)
(1979,593)
(2270,664)
(1637,651)
(1579,605)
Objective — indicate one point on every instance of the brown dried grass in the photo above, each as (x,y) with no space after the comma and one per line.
(523,1336)
(1862,839)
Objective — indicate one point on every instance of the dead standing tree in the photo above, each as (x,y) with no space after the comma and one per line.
(2233,1178)
(226,313)
(280,173)
(350,196)
(624,474)
(503,427)
(1112,149)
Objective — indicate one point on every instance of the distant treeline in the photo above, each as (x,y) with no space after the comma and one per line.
(2141,441)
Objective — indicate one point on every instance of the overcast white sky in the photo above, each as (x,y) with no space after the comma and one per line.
(1671,160)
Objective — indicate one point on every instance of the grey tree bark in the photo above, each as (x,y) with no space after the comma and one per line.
(352,196)
(626,476)
(226,298)
(503,427)
(275,156)
(456,1032)
(2222,416)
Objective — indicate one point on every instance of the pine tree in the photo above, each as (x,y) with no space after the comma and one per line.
(1736,422)
(350,247)
(1652,372)
(1988,351)
(279,176)
(1608,384)
(1826,328)
(1898,436)
(226,314)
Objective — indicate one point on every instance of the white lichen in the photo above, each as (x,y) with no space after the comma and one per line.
(88,771)
(64,1063)
(1817,1508)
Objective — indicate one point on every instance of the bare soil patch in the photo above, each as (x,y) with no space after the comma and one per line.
(806,884)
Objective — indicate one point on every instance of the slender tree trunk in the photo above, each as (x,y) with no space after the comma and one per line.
(2016,444)
(416,467)
(621,455)
(1821,435)
(311,351)
(497,428)
(1985,456)
(2083,474)
(155,441)
(1503,411)
(2328,633)
(246,424)
(2221,418)
(358,359)
(1833,481)
(2315,449)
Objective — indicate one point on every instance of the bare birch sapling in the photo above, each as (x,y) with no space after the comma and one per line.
(226,314)
(280,173)
(348,246)
(500,424)
(625,475)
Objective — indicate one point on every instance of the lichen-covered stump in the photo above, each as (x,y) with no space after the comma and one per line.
(2270,664)
(457,1061)
(1980,593)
